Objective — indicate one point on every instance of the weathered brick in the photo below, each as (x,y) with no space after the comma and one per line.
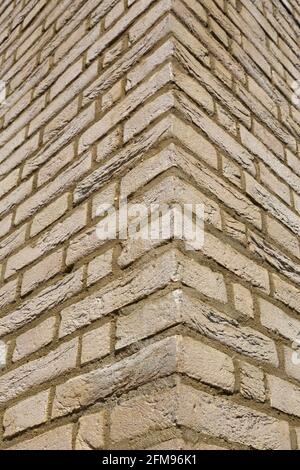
(54,188)
(120,112)
(217,416)
(140,282)
(206,364)
(96,343)
(8,293)
(113,95)
(45,300)
(243,300)
(252,382)
(91,432)
(50,214)
(41,272)
(57,439)
(46,242)
(160,102)
(154,361)
(26,414)
(278,321)
(287,293)
(283,236)
(5,225)
(99,267)
(284,396)
(34,339)
(34,373)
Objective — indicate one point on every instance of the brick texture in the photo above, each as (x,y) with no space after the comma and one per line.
(152,344)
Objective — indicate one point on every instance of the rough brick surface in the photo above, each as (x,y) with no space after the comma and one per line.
(157,344)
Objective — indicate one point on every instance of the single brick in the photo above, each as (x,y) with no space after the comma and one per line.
(26,414)
(91,432)
(49,215)
(96,343)
(252,382)
(284,396)
(41,272)
(34,339)
(243,300)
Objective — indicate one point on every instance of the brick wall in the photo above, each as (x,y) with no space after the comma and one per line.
(126,344)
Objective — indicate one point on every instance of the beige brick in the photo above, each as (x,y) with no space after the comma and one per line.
(236,262)
(57,439)
(91,432)
(141,282)
(219,32)
(20,154)
(26,414)
(221,417)
(8,293)
(231,171)
(9,182)
(156,315)
(34,339)
(142,414)
(100,267)
(46,242)
(41,272)
(12,241)
(70,74)
(206,364)
(50,214)
(267,157)
(243,300)
(269,139)
(5,225)
(234,228)
(252,382)
(60,121)
(109,144)
(226,120)
(121,111)
(114,14)
(283,236)
(16,196)
(140,71)
(273,183)
(105,197)
(156,344)
(154,361)
(113,53)
(96,343)
(278,321)
(69,42)
(284,396)
(39,371)
(286,293)
(256,56)
(292,359)
(48,298)
(272,204)
(3,354)
(53,189)
(113,95)
(147,114)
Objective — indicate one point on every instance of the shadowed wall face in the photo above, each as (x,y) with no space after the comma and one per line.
(149,342)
